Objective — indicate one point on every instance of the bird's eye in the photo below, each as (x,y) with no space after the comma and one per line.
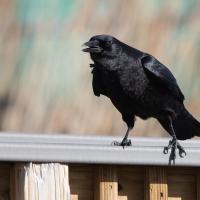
(106,44)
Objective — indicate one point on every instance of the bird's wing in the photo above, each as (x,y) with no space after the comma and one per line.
(157,72)
(97,83)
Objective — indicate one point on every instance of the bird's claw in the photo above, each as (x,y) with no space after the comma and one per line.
(165,150)
(173,145)
(182,153)
(115,143)
(123,143)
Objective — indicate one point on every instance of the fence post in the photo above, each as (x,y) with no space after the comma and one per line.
(49,181)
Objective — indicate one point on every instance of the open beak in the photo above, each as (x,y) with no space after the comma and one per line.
(92,47)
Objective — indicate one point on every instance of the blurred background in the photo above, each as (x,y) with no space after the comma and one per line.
(45,79)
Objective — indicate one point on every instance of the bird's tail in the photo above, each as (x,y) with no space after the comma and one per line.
(186,126)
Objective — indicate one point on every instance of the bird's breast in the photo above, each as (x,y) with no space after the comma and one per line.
(119,92)
(130,92)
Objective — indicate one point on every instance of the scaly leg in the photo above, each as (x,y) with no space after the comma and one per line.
(125,141)
(173,145)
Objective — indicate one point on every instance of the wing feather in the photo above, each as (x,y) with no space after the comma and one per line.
(161,74)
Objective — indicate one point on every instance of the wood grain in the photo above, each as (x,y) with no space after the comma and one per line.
(5,181)
(131,182)
(156,183)
(81,180)
(40,182)
(182,183)
(198,184)
(106,183)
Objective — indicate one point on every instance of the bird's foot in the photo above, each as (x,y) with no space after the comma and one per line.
(182,152)
(173,145)
(124,143)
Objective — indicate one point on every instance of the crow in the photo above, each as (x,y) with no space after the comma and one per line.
(139,85)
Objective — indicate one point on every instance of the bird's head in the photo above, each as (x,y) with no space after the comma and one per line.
(102,46)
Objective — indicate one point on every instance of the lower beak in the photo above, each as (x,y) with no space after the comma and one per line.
(92,47)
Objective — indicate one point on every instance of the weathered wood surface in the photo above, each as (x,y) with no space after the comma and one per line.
(41,182)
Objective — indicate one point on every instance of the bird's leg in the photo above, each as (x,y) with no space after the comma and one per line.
(173,145)
(125,141)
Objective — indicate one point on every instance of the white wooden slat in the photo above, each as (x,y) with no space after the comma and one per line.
(49,181)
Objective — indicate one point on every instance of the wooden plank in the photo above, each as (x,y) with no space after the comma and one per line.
(4,181)
(198,184)
(131,182)
(156,183)
(40,182)
(182,183)
(81,180)
(122,198)
(74,197)
(106,183)
(17,182)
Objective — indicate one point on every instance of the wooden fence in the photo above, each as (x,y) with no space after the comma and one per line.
(56,167)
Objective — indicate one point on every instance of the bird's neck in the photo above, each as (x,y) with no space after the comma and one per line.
(107,64)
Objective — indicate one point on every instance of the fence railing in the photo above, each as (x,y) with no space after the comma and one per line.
(60,167)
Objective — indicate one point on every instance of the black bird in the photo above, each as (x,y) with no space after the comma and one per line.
(139,85)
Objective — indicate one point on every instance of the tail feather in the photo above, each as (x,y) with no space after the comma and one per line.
(185,125)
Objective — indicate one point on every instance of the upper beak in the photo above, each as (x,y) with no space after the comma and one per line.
(92,47)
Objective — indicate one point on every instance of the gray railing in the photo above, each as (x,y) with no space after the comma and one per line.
(92,149)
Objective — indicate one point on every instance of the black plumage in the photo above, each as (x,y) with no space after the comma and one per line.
(139,85)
